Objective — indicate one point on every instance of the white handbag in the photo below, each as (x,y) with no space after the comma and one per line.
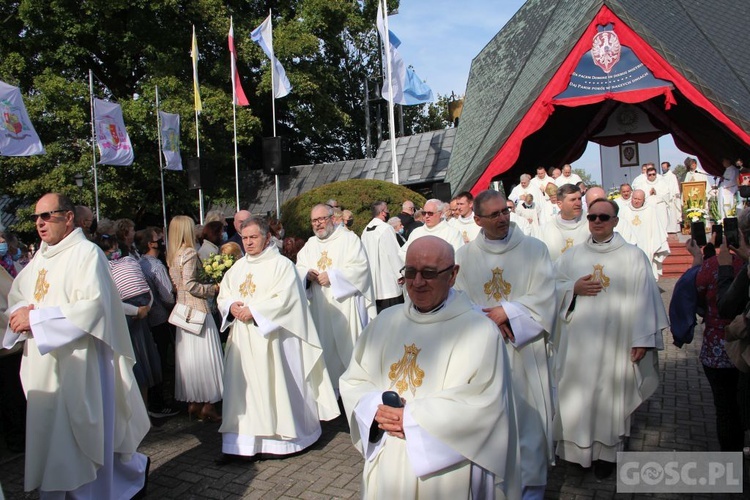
(189,319)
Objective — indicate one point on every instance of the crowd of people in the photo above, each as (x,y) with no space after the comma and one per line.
(512,331)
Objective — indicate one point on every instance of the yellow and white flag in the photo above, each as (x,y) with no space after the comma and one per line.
(196,89)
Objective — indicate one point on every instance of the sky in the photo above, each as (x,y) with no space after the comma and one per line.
(439,38)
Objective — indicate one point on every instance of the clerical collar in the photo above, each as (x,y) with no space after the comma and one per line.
(501,241)
(571,222)
(449,299)
(603,242)
(468,219)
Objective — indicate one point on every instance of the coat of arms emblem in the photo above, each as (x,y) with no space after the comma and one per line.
(605,50)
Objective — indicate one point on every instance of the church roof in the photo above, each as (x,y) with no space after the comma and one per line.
(421,158)
(701,40)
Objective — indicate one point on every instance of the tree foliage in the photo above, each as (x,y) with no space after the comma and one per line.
(328,48)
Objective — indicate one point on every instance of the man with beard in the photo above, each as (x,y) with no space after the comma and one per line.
(342,300)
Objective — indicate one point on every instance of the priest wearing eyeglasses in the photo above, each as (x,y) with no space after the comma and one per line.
(85,416)
(510,276)
(611,317)
(434,225)
(334,268)
(455,435)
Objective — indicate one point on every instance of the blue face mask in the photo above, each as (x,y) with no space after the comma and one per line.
(401,231)
(3,249)
(224,237)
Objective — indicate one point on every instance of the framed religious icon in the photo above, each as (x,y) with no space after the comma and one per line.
(694,206)
(629,154)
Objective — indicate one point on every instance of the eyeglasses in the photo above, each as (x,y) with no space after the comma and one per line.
(601,217)
(45,216)
(428,214)
(495,215)
(320,220)
(427,274)
(652,174)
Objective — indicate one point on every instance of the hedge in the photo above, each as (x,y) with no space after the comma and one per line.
(356,195)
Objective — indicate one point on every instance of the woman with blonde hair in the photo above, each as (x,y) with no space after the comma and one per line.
(199,365)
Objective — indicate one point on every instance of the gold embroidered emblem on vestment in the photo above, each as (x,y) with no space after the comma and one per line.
(42,286)
(406,374)
(636,221)
(497,287)
(466,237)
(599,276)
(324,262)
(568,244)
(247,287)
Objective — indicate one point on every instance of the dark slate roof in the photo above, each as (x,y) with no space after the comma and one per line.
(8,208)
(704,40)
(421,158)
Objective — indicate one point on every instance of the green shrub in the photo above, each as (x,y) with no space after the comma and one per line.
(356,195)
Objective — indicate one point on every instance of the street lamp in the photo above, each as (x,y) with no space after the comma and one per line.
(79,182)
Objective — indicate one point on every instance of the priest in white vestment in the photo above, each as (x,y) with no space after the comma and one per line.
(675,198)
(567,177)
(85,415)
(435,226)
(276,386)
(728,187)
(657,194)
(640,179)
(463,219)
(649,234)
(623,227)
(455,437)
(334,267)
(568,227)
(611,317)
(510,276)
(384,256)
(541,180)
(528,211)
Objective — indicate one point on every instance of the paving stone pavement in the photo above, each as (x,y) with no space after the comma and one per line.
(184,453)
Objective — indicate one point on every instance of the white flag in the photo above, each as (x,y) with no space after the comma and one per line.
(170,140)
(17,134)
(263,36)
(114,144)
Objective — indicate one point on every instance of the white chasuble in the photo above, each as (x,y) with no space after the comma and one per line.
(442,230)
(650,236)
(517,274)
(276,386)
(598,386)
(383,254)
(340,311)
(86,416)
(675,201)
(466,226)
(452,369)
(560,235)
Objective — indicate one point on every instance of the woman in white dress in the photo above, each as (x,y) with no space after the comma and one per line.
(199,365)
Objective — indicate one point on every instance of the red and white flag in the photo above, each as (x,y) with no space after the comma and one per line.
(237,93)
(113,140)
(17,134)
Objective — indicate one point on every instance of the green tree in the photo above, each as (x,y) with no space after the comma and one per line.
(328,48)
(585,176)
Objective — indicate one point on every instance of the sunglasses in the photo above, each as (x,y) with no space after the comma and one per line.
(427,274)
(601,217)
(45,216)
(429,214)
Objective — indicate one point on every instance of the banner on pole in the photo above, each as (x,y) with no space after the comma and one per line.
(170,140)
(196,89)
(111,137)
(263,36)
(17,134)
(237,93)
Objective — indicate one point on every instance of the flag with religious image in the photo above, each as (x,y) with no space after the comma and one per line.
(111,137)
(170,140)
(17,134)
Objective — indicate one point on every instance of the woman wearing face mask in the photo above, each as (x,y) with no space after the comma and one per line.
(395,222)
(6,259)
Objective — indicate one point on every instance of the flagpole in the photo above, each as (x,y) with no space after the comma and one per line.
(391,118)
(234,121)
(273,111)
(197,137)
(93,142)
(161,165)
